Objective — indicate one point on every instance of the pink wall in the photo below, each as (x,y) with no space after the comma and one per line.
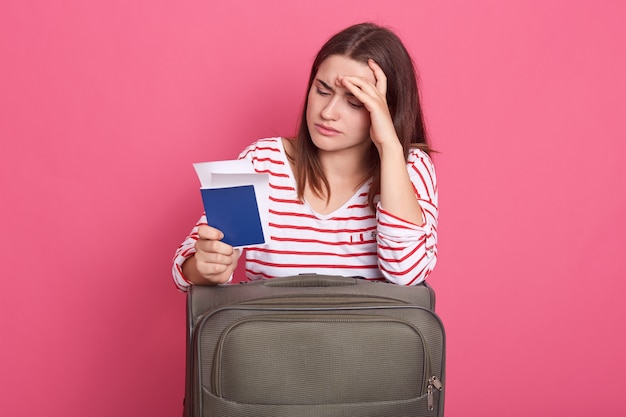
(105,104)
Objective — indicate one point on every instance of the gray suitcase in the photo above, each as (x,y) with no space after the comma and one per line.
(314,345)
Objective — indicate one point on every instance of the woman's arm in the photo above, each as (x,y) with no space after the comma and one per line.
(407,251)
(407,211)
(396,191)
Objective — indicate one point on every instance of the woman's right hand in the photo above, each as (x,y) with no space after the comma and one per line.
(214,261)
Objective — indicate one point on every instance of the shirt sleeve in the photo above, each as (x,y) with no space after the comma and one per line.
(184,252)
(407,252)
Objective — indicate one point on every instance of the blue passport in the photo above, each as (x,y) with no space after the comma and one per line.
(235,212)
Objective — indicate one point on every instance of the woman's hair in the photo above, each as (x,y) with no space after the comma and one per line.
(362,42)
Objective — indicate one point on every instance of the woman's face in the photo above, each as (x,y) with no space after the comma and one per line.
(335,118)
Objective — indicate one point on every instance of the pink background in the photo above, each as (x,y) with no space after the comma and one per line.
(104,105)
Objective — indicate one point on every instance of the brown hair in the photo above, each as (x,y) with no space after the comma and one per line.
(362,42)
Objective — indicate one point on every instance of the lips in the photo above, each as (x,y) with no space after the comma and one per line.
(326,130)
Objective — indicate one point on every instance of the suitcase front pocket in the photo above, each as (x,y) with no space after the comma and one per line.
(303,358)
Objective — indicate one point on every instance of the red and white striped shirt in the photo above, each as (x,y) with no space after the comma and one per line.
(351,241)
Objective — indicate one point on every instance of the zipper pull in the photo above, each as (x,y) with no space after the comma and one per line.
(436,383)
(429,393)
(433,383)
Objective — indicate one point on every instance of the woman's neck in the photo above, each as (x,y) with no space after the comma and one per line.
(346,165)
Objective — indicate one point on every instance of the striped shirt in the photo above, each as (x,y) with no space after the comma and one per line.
(351,241)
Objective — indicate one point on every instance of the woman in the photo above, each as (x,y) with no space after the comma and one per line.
(354,193)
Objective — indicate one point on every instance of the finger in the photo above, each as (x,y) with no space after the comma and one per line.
(213,246)
(209,233)
(361,83)
(215,263)
(208,268)
(236,254)
(359,88)
(364,91)
(214,258)
(379,74)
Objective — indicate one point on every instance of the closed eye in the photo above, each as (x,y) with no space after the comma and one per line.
(322,92)
(325,90)
(355,104)
(322,88)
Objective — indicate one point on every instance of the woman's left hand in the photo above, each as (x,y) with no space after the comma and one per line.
(373,97)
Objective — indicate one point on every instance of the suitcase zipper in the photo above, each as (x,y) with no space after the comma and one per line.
(433,383)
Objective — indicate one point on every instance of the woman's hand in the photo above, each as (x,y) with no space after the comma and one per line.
(373,97)
(397,195)
(214,261)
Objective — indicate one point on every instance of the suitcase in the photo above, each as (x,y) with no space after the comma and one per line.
(314,345)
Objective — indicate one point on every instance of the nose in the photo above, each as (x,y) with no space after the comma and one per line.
(330,110)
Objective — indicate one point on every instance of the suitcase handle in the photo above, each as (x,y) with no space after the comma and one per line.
(311,280)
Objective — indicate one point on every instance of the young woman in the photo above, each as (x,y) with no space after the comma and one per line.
(354,193)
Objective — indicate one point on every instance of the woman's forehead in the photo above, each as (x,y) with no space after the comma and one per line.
(336,65)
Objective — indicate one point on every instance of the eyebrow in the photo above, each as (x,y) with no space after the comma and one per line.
(328,87)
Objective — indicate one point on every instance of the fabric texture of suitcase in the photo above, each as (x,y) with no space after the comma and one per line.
(314,345)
